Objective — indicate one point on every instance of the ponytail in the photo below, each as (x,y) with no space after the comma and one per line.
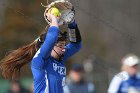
(16,59)
(12,63)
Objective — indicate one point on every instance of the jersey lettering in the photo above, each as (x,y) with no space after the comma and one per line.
(59,69)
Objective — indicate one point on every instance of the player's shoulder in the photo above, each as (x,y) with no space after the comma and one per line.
(122,76)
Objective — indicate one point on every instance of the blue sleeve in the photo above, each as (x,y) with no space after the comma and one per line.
(72,25)
(46,48)
(38,62)
(39,80)
(50,40)
(71,49)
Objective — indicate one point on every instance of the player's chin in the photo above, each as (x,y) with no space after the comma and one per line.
(61,53)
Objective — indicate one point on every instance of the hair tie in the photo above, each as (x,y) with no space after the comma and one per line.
(38,39)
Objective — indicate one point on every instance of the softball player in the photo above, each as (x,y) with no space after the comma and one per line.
(48,66)
(47,54)
(127,81)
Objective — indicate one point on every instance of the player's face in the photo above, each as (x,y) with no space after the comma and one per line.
(133,70)
(60,47)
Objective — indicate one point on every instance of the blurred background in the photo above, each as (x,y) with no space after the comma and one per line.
(110,29)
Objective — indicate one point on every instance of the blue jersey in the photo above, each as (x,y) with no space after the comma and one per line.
(132,85)
(124,83)
(48,73)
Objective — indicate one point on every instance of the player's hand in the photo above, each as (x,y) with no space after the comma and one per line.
(52,19)
(50,16)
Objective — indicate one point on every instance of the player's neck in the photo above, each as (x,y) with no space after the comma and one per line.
(54,55)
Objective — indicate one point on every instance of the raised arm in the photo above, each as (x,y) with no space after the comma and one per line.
(38,64)
(51,38)
(75,40)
